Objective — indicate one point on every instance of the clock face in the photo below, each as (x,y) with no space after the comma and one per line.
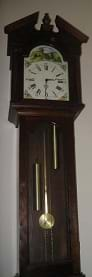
(45,75)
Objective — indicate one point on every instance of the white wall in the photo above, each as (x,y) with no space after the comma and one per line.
(79,13)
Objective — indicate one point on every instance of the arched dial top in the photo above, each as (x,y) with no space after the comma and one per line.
(45,74)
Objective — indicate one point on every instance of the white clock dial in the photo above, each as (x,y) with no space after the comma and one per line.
(46,80)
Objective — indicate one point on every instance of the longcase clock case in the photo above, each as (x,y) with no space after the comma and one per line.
(48,228)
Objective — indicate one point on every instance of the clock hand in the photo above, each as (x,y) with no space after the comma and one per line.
(46,220)
(46,86)
(49,79)
(56,79)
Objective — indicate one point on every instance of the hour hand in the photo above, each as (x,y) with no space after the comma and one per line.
(46,86)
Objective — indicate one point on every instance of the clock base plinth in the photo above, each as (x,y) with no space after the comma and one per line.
(52,274)
(50,270)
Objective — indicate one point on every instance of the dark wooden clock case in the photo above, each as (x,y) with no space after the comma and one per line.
(33,117)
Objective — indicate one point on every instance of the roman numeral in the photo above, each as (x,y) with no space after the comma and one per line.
(59,74)
(46,94)
(30,79)
(38,67)
(54,93)
(38,92)
(59,88)
(33,86)
(32,71)
(53,68)
(60,81)
(46,66)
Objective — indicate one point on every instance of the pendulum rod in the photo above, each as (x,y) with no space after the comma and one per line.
(45,177)
(46,220)
(55,155)
(37,184)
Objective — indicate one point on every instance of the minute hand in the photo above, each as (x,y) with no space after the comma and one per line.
(56,79)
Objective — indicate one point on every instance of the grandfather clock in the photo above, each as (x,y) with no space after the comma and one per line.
(45,101)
